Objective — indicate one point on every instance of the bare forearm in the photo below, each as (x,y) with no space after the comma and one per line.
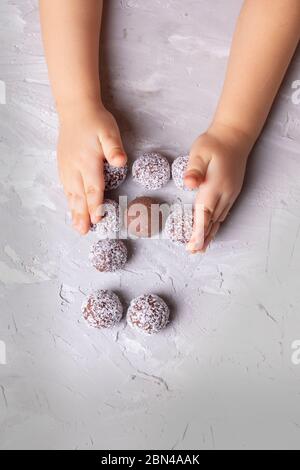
(71,32)
(265,40)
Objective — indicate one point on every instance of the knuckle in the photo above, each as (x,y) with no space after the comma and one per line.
(79,199)
(229,192)
(109,137)
(68,193)
(93,190)
(79,196)
(195,158)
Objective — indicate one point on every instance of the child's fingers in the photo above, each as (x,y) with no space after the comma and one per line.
(202,220)
(214,230)
(93,181)
(78,204)
(225,213)
(80,215)
(196,170)
(224,205)
(207,232)
(206,202)
(113,149)
(221,212)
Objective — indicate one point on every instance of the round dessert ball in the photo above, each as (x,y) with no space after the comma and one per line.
(143,218)
(108,256)
(102,309)
(148,314)
(179,168)
(179,225)
(114,176)
(151,170)
(110,223)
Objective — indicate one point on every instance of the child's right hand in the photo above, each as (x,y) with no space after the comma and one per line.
(88,135)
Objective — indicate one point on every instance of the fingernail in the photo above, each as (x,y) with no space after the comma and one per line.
(192,173)
(119,159)
(98,214)
(193,177)
(113,159)
(194,245)
(95,219)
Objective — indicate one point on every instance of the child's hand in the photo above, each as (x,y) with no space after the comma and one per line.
(217,166)
(88,135)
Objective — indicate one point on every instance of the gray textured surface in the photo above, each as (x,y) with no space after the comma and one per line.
(221,376)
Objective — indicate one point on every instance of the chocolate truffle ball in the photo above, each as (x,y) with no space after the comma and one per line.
(151,170)
(143,218)
(148,313)
(179,225)
(114,176)
(179,168)
(108,255)
(102,309)
(110,223)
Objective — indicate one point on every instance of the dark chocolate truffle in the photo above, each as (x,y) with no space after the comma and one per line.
(102,309)
(151,170)
(179,225)
(179,168)
(110,223)
(114,176)
(148,314)
(108,255)
(143,218)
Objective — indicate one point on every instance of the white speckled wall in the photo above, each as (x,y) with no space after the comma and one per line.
(221,375)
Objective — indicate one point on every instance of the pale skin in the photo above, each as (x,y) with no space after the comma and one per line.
(266,37)
(88,133)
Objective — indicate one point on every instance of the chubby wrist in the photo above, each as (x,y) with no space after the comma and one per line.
(233,134)
(68,108)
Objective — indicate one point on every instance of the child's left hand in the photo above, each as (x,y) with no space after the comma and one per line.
(217,167)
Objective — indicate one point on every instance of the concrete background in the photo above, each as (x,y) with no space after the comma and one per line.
(221,375)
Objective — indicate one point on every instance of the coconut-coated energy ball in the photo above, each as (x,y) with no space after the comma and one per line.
(148,313)
(179,225)
(179,168)
(102,309)
(110,222)
(108,256)
(151,170)
(143,218)
(114,176)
